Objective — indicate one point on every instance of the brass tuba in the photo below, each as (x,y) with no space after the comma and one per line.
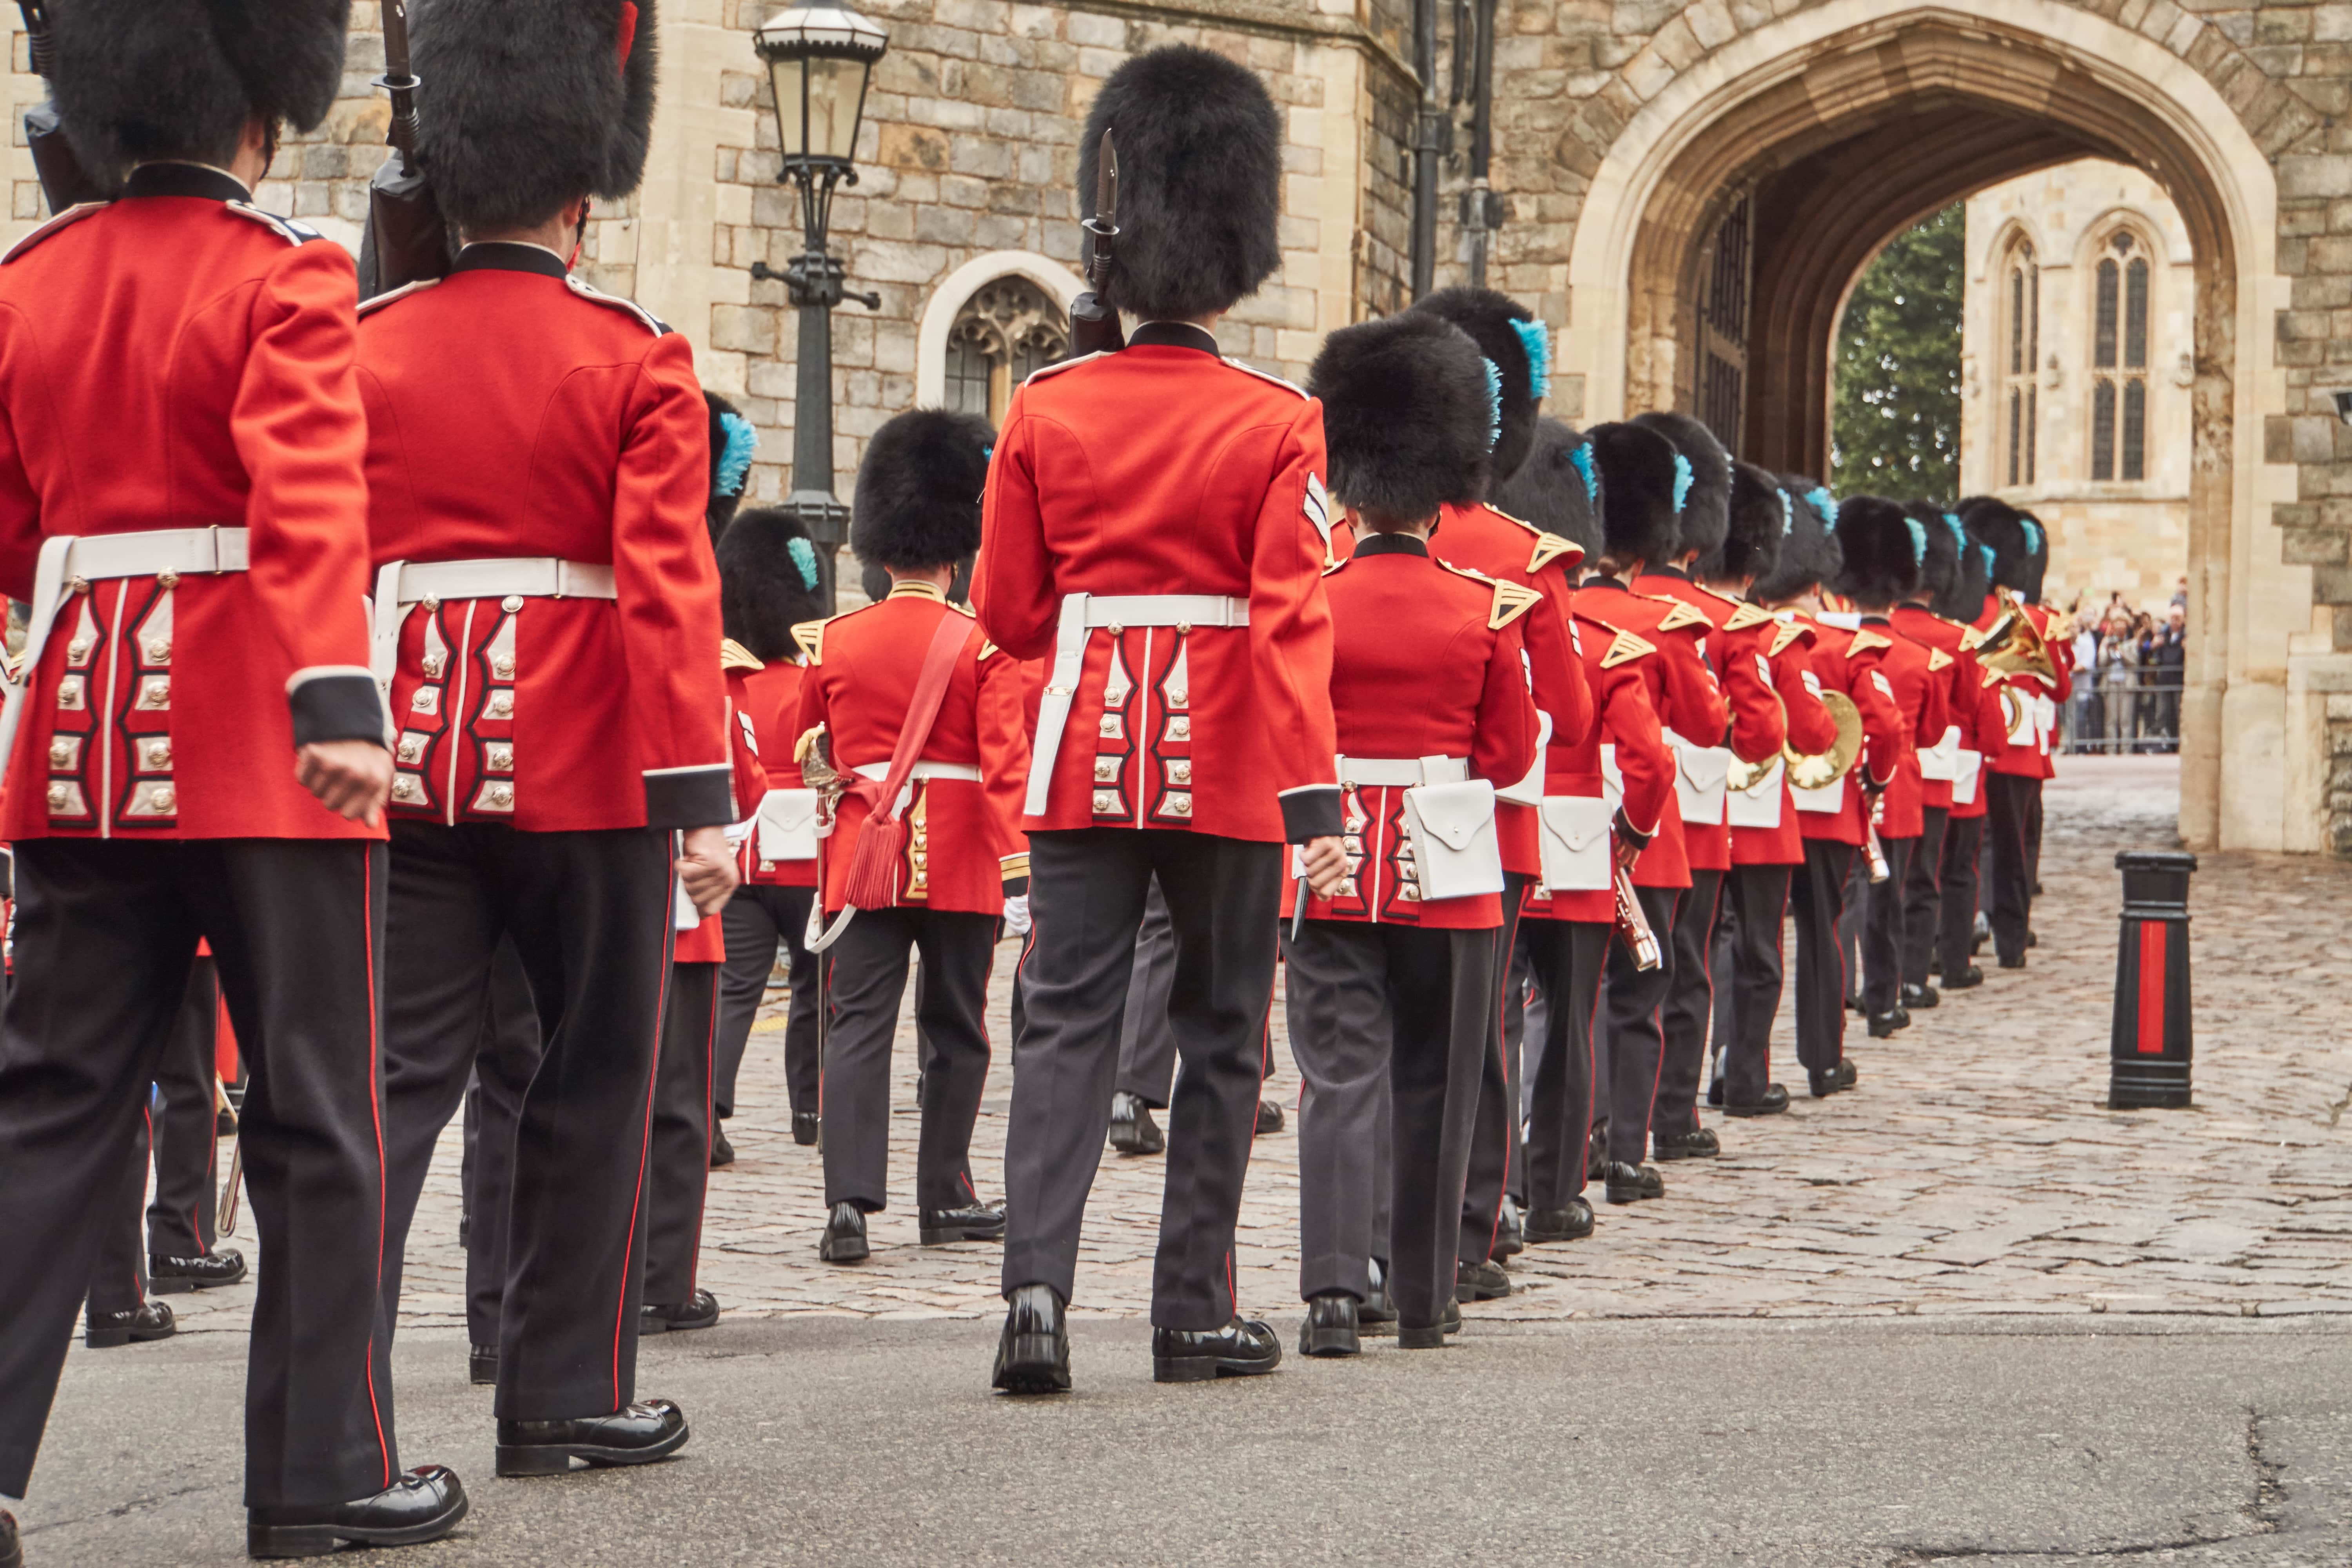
(1821,771)
(2014,646)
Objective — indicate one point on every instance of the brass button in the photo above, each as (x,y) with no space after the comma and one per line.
(167,579)
(502,666)
(159,651)
(61,796)
(432,603)
(511,602)
(78,650)
(433,665)
(163,798)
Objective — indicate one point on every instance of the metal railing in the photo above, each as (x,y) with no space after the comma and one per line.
(2121,710)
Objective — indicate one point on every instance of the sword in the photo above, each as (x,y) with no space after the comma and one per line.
(1093,321)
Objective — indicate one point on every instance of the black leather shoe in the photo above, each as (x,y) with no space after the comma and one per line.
(1848,1075)
(1132,1130)
(1854,1004)
(1269,1117)
(1570,1223)
(1032,1356)
(1596,1155)
(1715,1092)
(634,1434)
(1920,996)
(170,1276)
(1377,1313)
(1980,931)
(2033,939)
(482,1364)
(845,1236)
(1480,1281)
(722,1152)
(1883,1025)
(2017,963)
(1431,1336)
(1823,1083)
(1245,1347)
(1509,1235)
(1775,1101)
(1331,1328)
(1698,1143)
(425,1504)
(699,1310)
(804,1127)
(12,1554)
(1631,1183)
(150,1320)
(973,1222)
(1967,979)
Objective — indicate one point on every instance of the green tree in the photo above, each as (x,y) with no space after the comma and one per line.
(1895,428)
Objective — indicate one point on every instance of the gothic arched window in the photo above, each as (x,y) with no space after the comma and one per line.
(2020,350)
(1008,329)
(2119,363)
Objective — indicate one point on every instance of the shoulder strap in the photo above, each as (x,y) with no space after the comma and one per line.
(930,691)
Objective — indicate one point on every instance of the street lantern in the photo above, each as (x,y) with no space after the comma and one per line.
(818,59)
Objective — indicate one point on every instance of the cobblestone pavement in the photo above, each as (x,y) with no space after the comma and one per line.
(1976,1170)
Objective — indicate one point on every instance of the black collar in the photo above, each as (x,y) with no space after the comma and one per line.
(1172,335)
(1603,580)
(497,255)
(1676,572)
(185,180)
(1876,621)
(1392,544)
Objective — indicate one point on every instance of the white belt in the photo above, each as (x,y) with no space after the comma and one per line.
(1404,773)
(400,583)
(98,557)
(878,770)
(1081,614)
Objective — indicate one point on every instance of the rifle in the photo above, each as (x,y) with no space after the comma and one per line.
(64,182)
(407,240)
(1094,321)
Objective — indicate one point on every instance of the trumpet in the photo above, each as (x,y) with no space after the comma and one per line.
(2014,646)
(1633,926)
(1879,869)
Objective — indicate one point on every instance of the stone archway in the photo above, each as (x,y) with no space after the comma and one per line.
(1845,123)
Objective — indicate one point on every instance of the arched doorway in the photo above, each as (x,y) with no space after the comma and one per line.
(1808,143)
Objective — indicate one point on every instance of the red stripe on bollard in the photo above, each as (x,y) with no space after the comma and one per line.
(2151,987)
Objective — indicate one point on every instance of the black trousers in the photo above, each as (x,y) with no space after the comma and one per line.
(1816,897)
(1689,1005)
(680,1162)
(105,934)
(1957,920)
(1883,940)
(2011,811)
(1854,908)
(504,1061)
(178,1126)
(1568,959)
(1087,892)
(869,980)
(1415,1008)
(1497,1152)
(590,917)
(1923,894)
(756,918)
(1364,1101)
(1636,1038)
(1758,897)
(1147,1045)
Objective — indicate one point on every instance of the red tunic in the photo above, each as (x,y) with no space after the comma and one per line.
(2029,704)
(963,839)
(179,360)
(1421,667)
(512,411)
(1785,644)
(1757,730)
(705,941)
(1964,704)
(1838,667)
(1628,726)
(1683,693)
(1164,469)
(1897,666)
(769,697)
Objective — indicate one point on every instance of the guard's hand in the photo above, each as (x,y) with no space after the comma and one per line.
(706,869)
(1625,851)
(350,778)
(1324,861)
(1016,915)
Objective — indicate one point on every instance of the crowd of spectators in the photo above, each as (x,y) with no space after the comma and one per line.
(2128,664)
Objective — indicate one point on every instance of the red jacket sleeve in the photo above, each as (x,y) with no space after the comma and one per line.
(1013,590)
(1503,745)
(749,773)
(1695,706)
(1557,673)
(1883,742)
(1811,730)
(1631,724)
(1002,719)
(1290,634)
(1758,727)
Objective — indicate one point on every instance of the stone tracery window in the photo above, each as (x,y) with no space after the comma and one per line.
(1007,329)
(2021,351)
(2119,361)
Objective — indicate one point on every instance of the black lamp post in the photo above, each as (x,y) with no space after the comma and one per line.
(818,59)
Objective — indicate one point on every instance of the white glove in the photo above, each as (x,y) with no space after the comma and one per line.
(1016,915)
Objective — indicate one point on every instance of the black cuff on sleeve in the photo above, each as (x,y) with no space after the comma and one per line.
(1311,811)
(1625,829)
(690,797)
(1016,887)
(337,707)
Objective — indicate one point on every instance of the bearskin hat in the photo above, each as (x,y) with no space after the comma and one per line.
(1809,555)
(1939,561)
(1199,181)
(1755,522)
(178,79)
(1706,512)
(1518,345)
(1971,579)
(1408,415)
(2016,540)
(1559,488)
(1884,546)
(528,104)
(918,501)
(733,442)
(768,581)
(1643,479)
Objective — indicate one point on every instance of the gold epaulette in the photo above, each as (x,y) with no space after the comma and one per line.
(1626,648)
(985,649)
(1746,615)
(1971,639)
(1787,633)
(1470,571)
(810,635)
(1511,602)
(1938,659)
(1865,639)
(733,654)
(1683,615)
(1994,677)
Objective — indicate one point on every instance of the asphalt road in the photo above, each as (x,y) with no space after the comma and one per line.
(1987,1440)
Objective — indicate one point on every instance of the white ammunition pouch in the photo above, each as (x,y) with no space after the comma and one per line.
(1967,767)
(787,825)
(1758,805)
(1575,843)
(1942,760)
(1700,773)
(1829,799)
(1528,791)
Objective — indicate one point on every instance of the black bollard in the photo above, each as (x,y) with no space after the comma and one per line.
(2151,1046)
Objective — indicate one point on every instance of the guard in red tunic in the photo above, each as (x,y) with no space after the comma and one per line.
(1605,799)
(1983,741)
(1156,523)
(1488,540)
(920,716)
(195,752)
(547,620)
(768,586)
(1940,762)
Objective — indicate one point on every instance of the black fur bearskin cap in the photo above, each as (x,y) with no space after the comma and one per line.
(1809,555)
(1971,580)
(1407,415)
(1756,521)
(1883,547)
(768,581)
(528,104)
(1200,182)
(1939,562)
(732,443)
(139,79)
(2016,540)
(1559,488)
(1640,473)
(1706,512)
(1518,345)
(918,501)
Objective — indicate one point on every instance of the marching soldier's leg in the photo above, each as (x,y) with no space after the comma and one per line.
(118,1310)
(102,947)
(180,1234)
(958,949)
(1957,919)
(1442,1012)
(1497,1150)
(1816,894)
(1881,940)
(869,981)
(1684,1018)
(1922,897)
(1854,904)
(1635,1048)
(1335,993)
(1760,897)
(2009,897)
(752,939)
(1560,1122)
(803,1064)
(506,1054)
(1147,1046)
(679,1136)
